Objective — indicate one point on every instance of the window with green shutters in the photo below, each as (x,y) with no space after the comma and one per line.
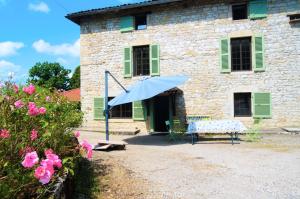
(225,55)
(127,61)
(99,108)
(154,62)
(127,24)
(258,61)
(258,9)
(261,105)
(139,111)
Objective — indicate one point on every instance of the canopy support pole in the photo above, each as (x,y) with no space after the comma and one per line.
(106,100)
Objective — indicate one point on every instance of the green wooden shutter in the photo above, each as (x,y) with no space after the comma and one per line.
(128,62)
(258,9)
(225,55)
(261,105)
(258,60)
(154,61)
(99,108)
(126,24)
(139,111)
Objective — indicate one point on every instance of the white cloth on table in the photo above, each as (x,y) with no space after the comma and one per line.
(216,126)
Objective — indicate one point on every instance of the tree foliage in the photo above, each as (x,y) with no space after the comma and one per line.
(75,79)
(50,75)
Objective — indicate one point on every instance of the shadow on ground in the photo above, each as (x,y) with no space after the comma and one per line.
(164,140)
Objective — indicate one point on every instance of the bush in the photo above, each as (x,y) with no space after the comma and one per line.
(37,145)
(253,134)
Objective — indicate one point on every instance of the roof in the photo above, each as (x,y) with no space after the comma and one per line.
(72,95)
(76,16)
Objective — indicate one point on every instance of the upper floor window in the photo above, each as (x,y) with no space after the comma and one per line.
(141,64)
(140,22)
(241,54)
(239,11)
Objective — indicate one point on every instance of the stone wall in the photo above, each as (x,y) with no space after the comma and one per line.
(189,44)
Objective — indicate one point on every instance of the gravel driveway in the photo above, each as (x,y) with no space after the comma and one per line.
(211,169)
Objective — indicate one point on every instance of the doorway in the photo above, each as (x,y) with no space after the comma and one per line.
(161,113)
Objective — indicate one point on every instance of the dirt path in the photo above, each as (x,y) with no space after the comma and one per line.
(152,167)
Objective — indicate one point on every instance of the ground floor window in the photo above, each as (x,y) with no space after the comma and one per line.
(121,111)
(242,105)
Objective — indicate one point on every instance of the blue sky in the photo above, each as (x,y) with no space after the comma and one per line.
(36,31)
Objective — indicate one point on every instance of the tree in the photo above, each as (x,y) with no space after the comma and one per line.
(50,75)
(75,79)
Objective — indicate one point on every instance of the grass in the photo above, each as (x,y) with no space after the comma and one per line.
(86,181)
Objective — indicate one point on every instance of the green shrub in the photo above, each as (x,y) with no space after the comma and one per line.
(253,134)
(33,119)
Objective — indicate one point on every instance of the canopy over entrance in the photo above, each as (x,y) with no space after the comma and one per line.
(147,88)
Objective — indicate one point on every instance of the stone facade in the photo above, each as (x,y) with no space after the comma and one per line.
(189,44)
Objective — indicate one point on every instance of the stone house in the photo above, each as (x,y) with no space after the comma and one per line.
(242,59)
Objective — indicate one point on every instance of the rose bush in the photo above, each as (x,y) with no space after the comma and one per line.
(37,144)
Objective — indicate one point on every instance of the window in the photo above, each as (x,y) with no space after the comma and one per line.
(121,111)
(141,22)
(141,64)
(241,54)
(294,18)
(242,105)
(239,12)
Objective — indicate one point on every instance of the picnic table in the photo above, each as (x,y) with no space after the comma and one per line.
(232,127)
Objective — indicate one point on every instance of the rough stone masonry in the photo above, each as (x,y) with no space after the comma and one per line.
(189,44)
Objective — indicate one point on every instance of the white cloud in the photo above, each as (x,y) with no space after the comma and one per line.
(68,49)
(8,48)
(39,7)
(62,61)
(13,71)
(6,64)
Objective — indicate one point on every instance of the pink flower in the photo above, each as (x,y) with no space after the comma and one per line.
(48,164)
(16,88)
(55,160)
(77,134)
(19,104)
(29,90)
(30,159)
(42,110)
(88,148)
(43,174)
(48,99)
(34,135)
(48,151)
(32,109)
(4,133)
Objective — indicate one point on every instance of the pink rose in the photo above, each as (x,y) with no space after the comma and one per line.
(32,109)
(48,164)
(77,134)
(4,133)
(48,99)
(19,104)
(29,90)
(16,88)
(42,174)
(88,148)
(48,151)
(30,159)
(42,110)
(55,160)
(34,134)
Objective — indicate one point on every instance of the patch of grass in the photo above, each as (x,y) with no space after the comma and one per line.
(86,183)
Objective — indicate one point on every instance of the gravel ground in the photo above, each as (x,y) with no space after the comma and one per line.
(212,168)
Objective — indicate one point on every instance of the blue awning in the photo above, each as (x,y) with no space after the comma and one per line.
(147,88)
